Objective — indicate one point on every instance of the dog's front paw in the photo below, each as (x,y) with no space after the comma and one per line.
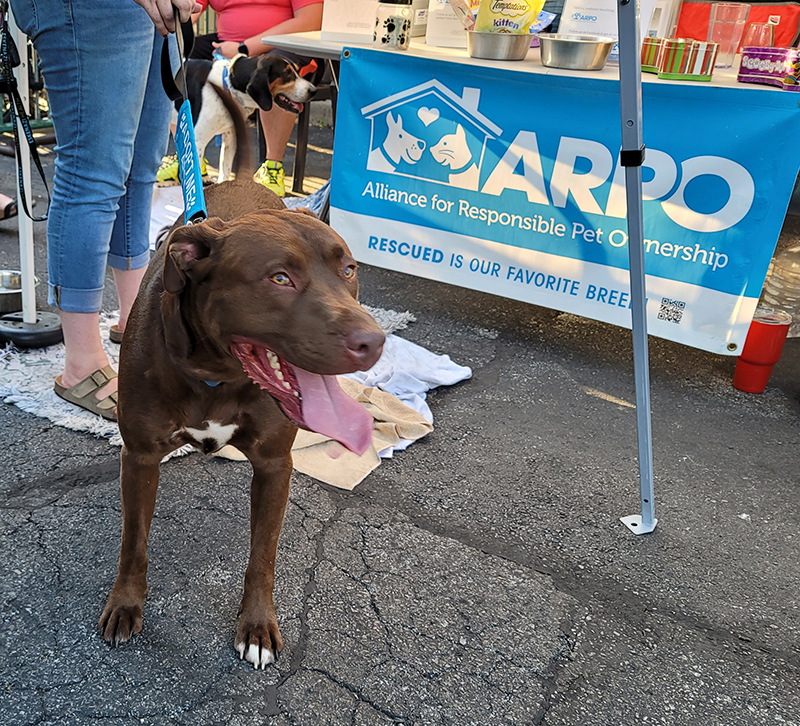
(120,620)
(258,644)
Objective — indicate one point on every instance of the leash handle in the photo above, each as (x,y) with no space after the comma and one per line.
(184,33)
(188,158)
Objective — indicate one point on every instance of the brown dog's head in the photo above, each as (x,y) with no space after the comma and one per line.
(275,291)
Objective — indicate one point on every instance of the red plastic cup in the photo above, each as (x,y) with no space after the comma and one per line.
(762,349)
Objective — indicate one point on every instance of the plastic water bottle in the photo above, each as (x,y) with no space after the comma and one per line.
(782,288)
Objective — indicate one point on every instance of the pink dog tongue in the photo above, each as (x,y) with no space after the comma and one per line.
(328,410)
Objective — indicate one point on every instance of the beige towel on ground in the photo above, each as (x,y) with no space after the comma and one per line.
(327,460)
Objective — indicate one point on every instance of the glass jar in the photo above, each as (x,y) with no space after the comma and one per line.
(393,24)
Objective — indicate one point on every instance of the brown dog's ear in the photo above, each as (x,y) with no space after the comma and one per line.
(176,334)
(185,247)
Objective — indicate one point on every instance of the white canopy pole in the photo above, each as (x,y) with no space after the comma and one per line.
(632,156)
(26,264)
(30,328)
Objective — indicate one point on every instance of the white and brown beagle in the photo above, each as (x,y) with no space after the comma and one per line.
(252,83)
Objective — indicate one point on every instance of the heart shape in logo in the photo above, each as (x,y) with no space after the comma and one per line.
(428,115)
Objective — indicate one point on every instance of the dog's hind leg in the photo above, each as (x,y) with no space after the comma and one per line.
(227,153)
(122,616)
(238,157)
(258,639)
(203,134)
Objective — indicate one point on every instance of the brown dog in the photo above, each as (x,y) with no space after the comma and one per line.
(239,328)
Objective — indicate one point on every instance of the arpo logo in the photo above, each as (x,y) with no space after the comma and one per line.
(584,18)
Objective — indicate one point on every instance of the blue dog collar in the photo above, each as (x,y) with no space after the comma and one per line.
(226,70)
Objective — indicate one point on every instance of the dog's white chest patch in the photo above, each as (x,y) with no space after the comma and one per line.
(219,434)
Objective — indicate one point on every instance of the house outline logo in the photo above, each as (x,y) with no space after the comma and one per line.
(430,128)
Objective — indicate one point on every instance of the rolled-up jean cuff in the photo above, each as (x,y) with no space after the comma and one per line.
(129,263)
(75,301)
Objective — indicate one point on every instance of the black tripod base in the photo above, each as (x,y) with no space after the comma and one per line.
(45,331)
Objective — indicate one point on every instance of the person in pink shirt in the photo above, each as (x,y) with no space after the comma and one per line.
(240,26)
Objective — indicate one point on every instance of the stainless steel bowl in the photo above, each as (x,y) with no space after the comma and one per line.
(498,46)
(11,291)
(575,52)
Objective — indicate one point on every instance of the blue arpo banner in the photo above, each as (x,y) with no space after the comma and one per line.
(509,182)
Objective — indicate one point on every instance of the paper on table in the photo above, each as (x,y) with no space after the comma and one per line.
(444,27)
(599,17)
(348,21)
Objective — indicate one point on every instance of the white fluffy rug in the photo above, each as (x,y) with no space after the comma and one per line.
(26,378)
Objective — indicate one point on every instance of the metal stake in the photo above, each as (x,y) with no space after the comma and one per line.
(632,156)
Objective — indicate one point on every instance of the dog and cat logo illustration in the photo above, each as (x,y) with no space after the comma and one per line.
(429,132)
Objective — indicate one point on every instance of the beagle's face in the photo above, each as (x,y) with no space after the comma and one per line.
(277,80)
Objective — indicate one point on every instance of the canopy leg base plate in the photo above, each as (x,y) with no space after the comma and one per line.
(635,525)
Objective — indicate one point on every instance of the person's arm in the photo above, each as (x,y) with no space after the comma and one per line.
(162,13)
(308,17)
(200,8)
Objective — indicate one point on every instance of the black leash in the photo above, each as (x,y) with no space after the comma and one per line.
(185,45)
(9,58)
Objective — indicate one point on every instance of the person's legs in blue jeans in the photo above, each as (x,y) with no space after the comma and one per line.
(95,56)
(130,239)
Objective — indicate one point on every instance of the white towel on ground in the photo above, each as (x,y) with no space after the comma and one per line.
(408,371)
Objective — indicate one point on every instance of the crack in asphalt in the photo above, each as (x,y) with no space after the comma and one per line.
(551,682)
(300,648)
(356,692)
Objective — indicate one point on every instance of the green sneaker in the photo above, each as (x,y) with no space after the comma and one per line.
(169,171)
(270,174)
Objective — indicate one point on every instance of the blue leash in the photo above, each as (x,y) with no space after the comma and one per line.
(188,158)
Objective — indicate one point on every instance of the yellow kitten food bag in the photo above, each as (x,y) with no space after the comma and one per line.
(507,16)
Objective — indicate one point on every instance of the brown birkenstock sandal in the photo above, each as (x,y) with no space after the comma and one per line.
(82,394)
(115,334)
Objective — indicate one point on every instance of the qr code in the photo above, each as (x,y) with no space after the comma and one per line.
(671,310)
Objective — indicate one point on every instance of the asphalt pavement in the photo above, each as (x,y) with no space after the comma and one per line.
(480,577)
